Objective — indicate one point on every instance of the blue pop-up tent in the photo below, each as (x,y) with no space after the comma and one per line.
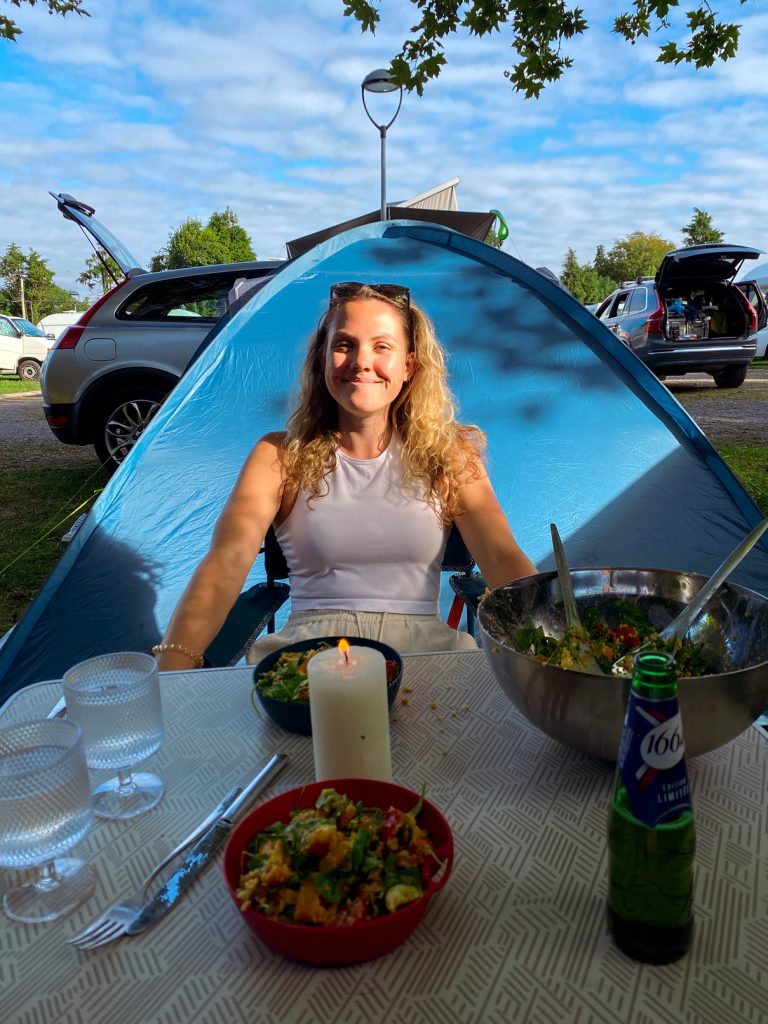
(580,434)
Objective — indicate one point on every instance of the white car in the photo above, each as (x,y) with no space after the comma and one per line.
(23,348)
(56,323)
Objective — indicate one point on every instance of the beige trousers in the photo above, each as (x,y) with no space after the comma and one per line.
(408,634)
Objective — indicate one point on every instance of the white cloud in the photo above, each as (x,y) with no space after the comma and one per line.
(153,112)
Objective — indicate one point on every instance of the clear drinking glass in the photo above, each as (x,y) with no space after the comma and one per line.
(45,808)
(115,699)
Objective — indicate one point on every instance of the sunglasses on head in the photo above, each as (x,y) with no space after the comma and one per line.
(349,289)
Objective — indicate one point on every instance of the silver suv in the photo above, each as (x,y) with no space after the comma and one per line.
(107,374)
(690,317)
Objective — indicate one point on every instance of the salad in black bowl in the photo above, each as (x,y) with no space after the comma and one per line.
(280,679)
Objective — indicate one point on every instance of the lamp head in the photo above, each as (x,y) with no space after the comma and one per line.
(379,80)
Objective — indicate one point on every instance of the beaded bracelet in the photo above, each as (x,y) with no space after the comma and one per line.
(196,657)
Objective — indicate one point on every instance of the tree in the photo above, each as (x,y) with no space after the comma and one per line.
(637,255)
(28,280)
(235,243)
(583,280)
(700,230)
(57,299)
(222,240)
(571,275)
(97,275)
(9,29)
(29,289)
(600,262)
(13,272)
(539,30)
(596,286)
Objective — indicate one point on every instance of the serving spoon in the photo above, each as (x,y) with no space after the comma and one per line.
(572,617)
(680,625)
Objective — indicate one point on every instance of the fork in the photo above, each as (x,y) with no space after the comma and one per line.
(116,918)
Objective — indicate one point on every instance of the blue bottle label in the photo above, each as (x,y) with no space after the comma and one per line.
(652,762)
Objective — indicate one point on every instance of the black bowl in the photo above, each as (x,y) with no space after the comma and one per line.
(294,715)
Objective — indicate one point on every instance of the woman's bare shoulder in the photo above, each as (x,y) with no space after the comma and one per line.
(472,436)
(267,455)
(275,439)
(270,445)
(471,442)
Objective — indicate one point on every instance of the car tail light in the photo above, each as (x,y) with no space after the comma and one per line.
(655,322)
(69,338)
(72,335)
(749,309)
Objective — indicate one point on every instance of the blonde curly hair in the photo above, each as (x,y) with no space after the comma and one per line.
(437,452)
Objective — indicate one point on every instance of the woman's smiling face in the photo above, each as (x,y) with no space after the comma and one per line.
(366,357)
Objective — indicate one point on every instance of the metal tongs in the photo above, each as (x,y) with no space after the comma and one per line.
(572,617)
(680,625)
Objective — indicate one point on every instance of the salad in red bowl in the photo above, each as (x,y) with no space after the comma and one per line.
(338,872)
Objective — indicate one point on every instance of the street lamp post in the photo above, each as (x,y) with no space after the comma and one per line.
(21,293)
(380,80)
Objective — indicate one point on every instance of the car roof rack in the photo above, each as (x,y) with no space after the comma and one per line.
(636,280)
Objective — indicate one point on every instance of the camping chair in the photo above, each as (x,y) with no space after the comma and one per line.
(256,608)
(467,585)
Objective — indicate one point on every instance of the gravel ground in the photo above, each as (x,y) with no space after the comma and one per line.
(735,416)
(729,416)
(26,439)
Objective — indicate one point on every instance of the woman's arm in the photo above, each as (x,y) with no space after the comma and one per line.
(486,532)
(237,539)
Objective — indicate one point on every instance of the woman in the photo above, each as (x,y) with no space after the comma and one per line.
(362,489)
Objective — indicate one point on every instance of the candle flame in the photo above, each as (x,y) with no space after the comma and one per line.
(344,648)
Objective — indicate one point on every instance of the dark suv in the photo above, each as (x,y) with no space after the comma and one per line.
(107,374)
(690,318)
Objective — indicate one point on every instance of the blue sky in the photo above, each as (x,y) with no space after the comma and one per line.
(157,110)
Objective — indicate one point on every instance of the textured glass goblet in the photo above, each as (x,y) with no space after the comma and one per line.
(115,699)
(45,808)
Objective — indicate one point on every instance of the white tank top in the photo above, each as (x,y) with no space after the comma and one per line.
(366,545)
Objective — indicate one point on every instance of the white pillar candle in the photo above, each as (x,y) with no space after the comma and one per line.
(350,715)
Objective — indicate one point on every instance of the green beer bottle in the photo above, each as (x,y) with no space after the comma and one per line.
(651,836)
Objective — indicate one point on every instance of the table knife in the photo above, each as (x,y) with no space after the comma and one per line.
(58,710)
(204,851)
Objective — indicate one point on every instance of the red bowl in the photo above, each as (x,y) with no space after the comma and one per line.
(329,945)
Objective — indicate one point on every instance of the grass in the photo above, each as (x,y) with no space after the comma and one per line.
(32,503)
(750,464)
(13,386)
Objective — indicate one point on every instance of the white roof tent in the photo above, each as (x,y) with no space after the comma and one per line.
(437,206)
(442,197)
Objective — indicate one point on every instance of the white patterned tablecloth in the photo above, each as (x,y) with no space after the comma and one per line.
(518,934)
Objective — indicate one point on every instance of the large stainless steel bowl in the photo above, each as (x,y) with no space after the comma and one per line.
(586,712)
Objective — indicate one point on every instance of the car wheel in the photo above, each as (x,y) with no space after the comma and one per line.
(731,377)
(28,369)
(122,420)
